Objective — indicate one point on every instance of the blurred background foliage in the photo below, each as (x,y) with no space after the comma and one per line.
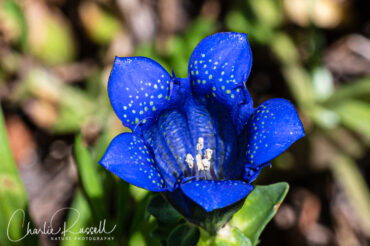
(56,120)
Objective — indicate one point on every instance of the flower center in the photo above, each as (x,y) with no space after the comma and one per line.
(203,158)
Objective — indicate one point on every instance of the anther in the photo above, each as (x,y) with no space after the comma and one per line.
(206,164)
(200,144)
(198,159)
(208,154)
(202,162)
(189,160)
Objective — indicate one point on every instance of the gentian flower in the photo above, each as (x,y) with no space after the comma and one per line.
(197,140)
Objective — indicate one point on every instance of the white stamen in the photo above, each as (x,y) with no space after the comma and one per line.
(206,164)
(198,159)
(202,162)
(189,160)
(200,144)
(208,154)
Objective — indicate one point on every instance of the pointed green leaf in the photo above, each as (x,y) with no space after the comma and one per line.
(79,216)
(184,235)
(355,115)
(162,210)
(89,176)
(91,185)
(12,194)
(258,209)
(357,89)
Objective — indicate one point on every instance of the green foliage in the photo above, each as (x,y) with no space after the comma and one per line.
(258,209)
(179,48)
(12,194)
(162,210)
(78,217)
(355,115)
(89,177)
(324,102)
(15,22)
(244,228)
(56,44)
(357,89)
(91,185)
(101,25)
(228,236)
(184,235)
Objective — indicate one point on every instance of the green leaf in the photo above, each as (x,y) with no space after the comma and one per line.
(92,185)
(138,218)
(162,230)
(122,195)
(101,25)
(184,235)
(137,240)
(295,75)
(89,176)
(14,22)
(268,12)
(55,42)
(162,210)
(78,217)
(358,89)
(12,193)
(75,107)
(355,115)
(227,236)
(258,209)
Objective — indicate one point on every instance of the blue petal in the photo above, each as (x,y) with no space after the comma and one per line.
(236,169)
(226,139)
(171,142)
(213,195)
(176,136)
(273,127)
(242,112)
(166,163)
(220,66)
(129,158)
(139,89)
(251,173)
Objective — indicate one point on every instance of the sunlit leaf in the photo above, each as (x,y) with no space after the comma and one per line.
(358,89)
(355,115)
(227,236)
(101,25)
(92,185)
(13,22)
(50,37)
(258,209)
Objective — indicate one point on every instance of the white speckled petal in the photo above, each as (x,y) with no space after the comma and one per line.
(273,127)
(220,65)
(138,89)
(130,159)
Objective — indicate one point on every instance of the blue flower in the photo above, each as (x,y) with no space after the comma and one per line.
(199,140)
